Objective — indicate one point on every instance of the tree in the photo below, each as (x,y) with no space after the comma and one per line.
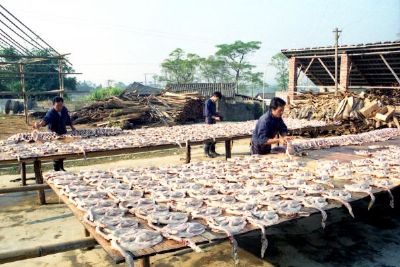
(34,82)
(280,63)
(214,70)
(235,56)
(180,67)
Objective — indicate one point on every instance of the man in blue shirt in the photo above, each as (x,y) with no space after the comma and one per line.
(56,119)
(211,117)
(268,127)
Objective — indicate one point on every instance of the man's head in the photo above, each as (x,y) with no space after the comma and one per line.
(216,96)
(277,106)
(58,103)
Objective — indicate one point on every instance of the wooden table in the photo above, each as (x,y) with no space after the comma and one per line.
(37,161)
(341,153)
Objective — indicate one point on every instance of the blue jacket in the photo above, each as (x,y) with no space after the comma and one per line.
(268,127)
(57,123)
(210,110)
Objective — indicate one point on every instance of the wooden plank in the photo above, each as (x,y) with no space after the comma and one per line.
(115,255)
(37,166)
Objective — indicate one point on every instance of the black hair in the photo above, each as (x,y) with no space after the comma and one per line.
(217,94)
(277,102)
(58,99)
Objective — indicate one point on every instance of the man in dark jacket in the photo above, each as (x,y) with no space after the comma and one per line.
(268,127)
(56,119)
(211,116)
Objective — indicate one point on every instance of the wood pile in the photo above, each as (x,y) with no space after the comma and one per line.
(357,112)
(130,110)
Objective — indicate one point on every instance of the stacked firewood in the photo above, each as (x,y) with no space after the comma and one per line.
(357,112)
(130,110)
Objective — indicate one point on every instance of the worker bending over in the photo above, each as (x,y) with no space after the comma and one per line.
(268,129)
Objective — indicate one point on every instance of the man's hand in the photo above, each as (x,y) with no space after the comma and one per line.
(217,118)
(36,125)
(273,141)
(287,139)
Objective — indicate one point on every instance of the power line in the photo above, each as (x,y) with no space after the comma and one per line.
(22,30)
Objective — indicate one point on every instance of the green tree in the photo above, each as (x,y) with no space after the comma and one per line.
(180,67)
(34,82)
(235,56)
(214,70)
(280,63)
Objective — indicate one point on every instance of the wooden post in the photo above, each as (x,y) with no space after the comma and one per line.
(23,173)
(86,232)
(188,152)
(144,262)
(37,166)
(336,31)
(292,84)
(22,80)
(228,149)
(61,77)
(40,251)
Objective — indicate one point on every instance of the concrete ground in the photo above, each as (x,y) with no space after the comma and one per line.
(372,239)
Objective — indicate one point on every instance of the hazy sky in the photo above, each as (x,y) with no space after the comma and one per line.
(121,40)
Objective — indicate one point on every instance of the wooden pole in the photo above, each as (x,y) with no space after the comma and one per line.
(37,166)
(24,188)
(61,77)
(22,80)
(228,149)
(336,31)
(144,262)
(40,251)
(188,152)
(23,173)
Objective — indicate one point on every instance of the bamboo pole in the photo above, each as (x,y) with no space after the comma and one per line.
(24,188)
(40,251)
(22,77)
(61,77)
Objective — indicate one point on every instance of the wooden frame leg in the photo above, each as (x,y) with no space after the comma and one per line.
(144,262)
(228,149)
(188,152)
(23,173)
(37,167)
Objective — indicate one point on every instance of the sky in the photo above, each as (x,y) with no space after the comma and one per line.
(122,40)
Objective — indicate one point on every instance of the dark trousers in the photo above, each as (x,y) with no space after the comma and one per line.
(209,147)
(58,165)
(266,149)
(260,149)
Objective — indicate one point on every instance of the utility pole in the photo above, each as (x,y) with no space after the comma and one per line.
(336,31)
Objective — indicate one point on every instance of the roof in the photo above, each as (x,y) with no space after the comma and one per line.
(367,68)
(142,89)
(205,89)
